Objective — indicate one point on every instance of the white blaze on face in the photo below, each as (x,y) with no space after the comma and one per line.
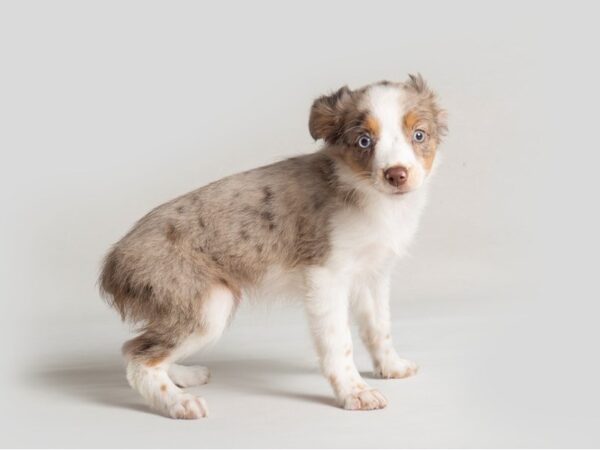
(392,148)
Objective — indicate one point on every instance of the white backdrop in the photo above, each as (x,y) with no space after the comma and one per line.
(110,108)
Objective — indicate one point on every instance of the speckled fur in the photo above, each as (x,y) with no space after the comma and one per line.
(229,232)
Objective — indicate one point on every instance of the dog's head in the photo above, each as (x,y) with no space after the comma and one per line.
(386,133)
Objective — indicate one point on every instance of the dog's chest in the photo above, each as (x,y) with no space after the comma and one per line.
(366,240)
(360,243)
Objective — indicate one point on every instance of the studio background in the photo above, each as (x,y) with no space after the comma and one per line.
(108,109)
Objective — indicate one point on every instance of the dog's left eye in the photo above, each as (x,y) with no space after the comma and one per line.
(364,141)
(419,136)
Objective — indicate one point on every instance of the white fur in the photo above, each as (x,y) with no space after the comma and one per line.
(158,383)
(392,147)
(356,275)
(187,376)
(157,388)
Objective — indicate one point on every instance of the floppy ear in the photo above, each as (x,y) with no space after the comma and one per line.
(327,114)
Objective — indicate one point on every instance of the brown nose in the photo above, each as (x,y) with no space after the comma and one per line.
(396,175)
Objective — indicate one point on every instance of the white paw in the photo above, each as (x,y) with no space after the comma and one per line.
(187,376)
(397,368)
(187,406)
(365,400)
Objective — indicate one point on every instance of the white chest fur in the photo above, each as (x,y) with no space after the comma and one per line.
(365,240)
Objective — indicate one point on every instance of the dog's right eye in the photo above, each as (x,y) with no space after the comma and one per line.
(364,141)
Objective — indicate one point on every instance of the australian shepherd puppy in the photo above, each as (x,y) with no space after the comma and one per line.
(326,226)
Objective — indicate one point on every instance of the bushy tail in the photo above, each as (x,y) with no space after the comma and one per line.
(134,301)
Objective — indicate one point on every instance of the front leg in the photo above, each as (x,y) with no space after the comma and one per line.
(327,306)
(370,306)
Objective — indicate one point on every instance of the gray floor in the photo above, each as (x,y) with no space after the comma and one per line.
(479,385)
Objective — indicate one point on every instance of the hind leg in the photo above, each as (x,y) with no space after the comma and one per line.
(188,376)
(154,384)
(151,357)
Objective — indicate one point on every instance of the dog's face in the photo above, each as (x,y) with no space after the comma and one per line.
(386,132)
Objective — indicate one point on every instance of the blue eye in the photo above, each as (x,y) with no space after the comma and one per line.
(364,141)
(418,135)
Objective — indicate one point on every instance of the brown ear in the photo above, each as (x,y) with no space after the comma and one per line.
(327,114)
(417,84)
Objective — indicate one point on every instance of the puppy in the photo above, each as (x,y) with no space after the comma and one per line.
(326,226)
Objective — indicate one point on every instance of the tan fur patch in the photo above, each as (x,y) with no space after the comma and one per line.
(409,120)
(425,151)
(155,361)
(163,388)
(427,160)
(372,124)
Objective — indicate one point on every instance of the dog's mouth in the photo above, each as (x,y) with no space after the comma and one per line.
(402,191)
(396,193)
(392,191)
